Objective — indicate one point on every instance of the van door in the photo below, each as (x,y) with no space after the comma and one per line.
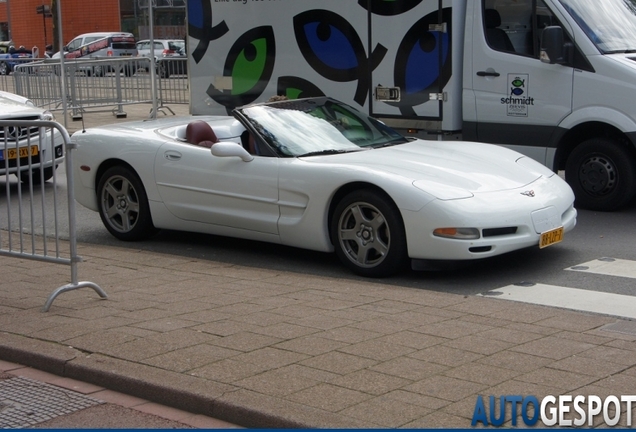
(518,99)
(418,60)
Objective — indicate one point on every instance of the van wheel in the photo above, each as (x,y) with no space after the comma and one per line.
(98,71)
(163,70)
(368,234)
(129,70)
(602,174)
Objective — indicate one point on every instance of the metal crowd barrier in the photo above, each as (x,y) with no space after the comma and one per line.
(32,209)
(102,84)
(7,66)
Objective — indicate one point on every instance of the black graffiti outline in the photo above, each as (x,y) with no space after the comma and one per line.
(206,34)
(224,97)
(361,73)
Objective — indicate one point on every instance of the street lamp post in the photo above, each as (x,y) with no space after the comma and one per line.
(9,21)
(45,11)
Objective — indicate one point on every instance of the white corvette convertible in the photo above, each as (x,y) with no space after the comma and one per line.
(317,174)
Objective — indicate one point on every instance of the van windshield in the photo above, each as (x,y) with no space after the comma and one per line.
(610,24)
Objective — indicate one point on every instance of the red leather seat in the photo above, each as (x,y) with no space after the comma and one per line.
(200,133)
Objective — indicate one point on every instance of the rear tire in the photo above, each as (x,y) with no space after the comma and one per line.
(602,174)
(123,205)
(368,234)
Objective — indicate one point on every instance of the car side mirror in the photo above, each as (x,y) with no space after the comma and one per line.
(230,149)
(553,49)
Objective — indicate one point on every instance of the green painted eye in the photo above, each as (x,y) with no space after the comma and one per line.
(249,66)
(297,88)
(250,63)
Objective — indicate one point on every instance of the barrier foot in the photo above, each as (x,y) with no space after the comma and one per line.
(71,287)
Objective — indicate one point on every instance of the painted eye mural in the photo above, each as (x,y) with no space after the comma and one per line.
(423,62)
(297,88)
(388,7)
(331,46)
(200,26)
(249,63)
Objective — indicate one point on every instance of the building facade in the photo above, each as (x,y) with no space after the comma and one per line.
(31,22)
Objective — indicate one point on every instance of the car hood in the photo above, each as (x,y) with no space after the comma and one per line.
(12,106)
(446,169)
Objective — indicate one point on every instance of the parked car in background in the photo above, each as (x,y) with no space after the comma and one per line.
(18,145)
(170,55)
(318,174)
(100,45)
(13,57)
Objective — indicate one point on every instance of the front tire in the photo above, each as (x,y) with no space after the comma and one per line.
(47,174)
(602,174)
(4,69)
(368,234)
(123,205)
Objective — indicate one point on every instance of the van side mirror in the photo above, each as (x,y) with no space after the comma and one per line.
(553,49)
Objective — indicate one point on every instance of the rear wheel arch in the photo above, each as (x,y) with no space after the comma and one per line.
(106,165)
(583,132)
(123,203)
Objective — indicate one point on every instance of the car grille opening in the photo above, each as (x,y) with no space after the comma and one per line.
(495,232)
(11,133)
(480,249)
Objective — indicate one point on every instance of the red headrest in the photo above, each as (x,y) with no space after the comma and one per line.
(200,133)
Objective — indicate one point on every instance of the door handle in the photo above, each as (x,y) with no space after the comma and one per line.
(488,74)
(172,155)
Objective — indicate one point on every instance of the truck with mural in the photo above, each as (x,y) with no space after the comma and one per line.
(553,79)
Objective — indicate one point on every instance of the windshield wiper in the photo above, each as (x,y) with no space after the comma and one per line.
(621,51)
(394,141)
(329,152)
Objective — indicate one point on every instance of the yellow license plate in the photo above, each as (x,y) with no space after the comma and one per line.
(12,153)
(551,237)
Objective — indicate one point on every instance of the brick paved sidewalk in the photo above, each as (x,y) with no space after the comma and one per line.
(264,348)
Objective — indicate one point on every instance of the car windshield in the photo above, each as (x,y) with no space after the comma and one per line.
(176,45)
(307,127)
(610,24)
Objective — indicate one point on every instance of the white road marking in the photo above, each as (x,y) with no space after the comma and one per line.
(607,266)
(570,298)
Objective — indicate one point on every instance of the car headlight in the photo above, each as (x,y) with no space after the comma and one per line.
(47,115)
(457,233)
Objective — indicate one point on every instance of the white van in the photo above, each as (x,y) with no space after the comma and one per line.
(100,45)
(553,79)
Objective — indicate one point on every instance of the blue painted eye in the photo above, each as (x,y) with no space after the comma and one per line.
(200,26)
(250,63)
(331,46)
(196,12)
(423,62)
(389,7)
(422,66)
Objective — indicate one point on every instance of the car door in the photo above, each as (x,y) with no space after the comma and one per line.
(517,98)
(225,191)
